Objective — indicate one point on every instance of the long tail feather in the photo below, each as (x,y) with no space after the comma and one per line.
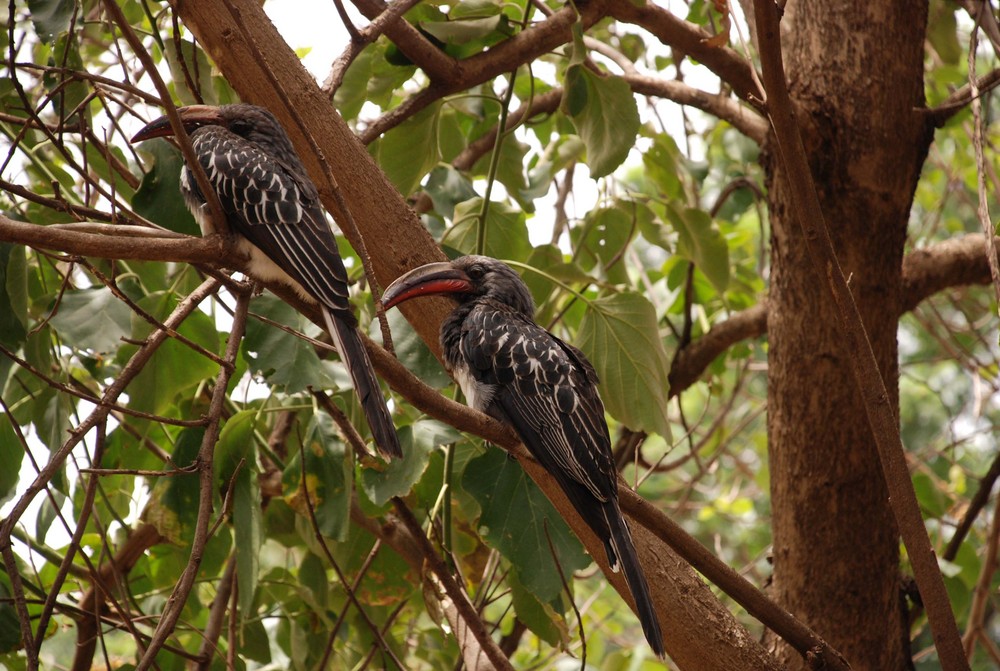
(628,560)
(352,352)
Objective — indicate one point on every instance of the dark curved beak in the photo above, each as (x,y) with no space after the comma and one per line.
(428,280)
(192,117)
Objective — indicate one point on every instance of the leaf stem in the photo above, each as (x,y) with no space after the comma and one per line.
(541,273)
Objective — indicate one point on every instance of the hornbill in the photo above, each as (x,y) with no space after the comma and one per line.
(517,372)
(273,208)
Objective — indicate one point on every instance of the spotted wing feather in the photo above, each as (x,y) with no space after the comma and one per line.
(547,392)
(274,206)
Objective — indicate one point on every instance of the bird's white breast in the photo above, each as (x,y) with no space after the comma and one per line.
(477,394)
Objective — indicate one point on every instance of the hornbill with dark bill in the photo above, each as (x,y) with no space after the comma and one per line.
(274,209)
(517,372)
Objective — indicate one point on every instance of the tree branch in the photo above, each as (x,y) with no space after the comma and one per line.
(961,98)
(739,116)
(692,41)
(123,242)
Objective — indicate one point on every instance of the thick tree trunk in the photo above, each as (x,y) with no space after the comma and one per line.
(855,72)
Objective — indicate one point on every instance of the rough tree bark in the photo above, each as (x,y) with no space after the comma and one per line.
(855,71)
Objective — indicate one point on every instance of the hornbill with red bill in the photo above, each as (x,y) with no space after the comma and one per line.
(273,208)
(517,372)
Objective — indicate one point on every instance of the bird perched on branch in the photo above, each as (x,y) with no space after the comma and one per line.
(517,372)
(274,209)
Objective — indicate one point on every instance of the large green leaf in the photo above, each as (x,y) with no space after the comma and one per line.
(353,91)
(175,368)
(409,151)
(191,71)
(92,319)
(247,528)
(700,242)
(602,240)
(463,30)
(605,114)
(518,520)
(282,358)
(662,164)
(13,296)
(10,630)
(417,441)
(51,17)
(541,618)
(235,466)
(943,34)
(159,196)
(328,478)
(11,455)
(510,170)
(506,230)
(619,334)
(173,505)
(447,187)
(413,352)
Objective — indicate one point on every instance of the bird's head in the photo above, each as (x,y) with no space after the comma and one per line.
(466,278)
(254,123)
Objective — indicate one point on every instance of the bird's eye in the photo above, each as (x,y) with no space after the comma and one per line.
(476,272)
(241,127)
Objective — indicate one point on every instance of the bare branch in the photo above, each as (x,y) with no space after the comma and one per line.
(692,41)
(121,242)
(739,116)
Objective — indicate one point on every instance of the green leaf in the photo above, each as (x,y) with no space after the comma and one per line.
(619,334)
(173,505)
(413,352)
(51,17)
(92,319)
(541,618)
(279,356)
(603,239)
(417,441)
(159,196)
(353,91)
(447,187)
(463,30)
(10,630)
(506,230)
(191,67)
(606,117)
(409,151)
(235,468)
(559,153)
(11,455)
(312,576)
(234,449)
(13,296)
(700,242)
(248,528)
(328,477)
(510,170)
(518,520)
(942,32)
(662,164)
(174,368)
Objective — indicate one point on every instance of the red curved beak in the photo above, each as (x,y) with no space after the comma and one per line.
(427,280)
